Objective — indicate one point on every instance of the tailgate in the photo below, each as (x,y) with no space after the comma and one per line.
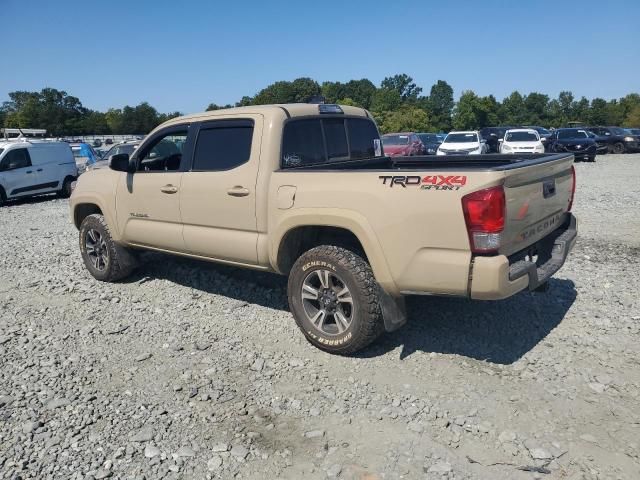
(537,200)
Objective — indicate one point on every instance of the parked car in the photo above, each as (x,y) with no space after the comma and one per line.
(545,135)
(108,141)
(304,190)
(492,135)
(633,131)
(97,143)
(576,141)
(125,147)
(463,143)
(431,142)
(402,144)
(617,138)
(441,136)
(35,167)
(602,143)
(521,140)
(84,154)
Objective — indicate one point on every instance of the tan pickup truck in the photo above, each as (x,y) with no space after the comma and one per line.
(306,191)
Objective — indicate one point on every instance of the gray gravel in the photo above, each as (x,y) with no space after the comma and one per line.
(193,370)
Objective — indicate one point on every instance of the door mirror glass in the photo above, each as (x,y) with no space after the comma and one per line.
(119,162)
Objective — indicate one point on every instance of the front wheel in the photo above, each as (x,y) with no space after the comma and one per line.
(106,260)
(592,158)
(618,148)
(334,299)
(65,191)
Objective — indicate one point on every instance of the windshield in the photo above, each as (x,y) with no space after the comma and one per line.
(521,137)
(429,138)
(542,131)
(572,134)
(395,139)
(461,138)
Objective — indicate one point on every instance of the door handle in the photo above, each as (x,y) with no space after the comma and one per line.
(39,170)
(238,191)
(169,189)
(29,171)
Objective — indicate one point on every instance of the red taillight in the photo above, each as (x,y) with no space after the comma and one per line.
(573,187)
(484,213)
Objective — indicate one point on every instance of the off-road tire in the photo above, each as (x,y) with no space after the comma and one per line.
(121,261)
(366,323)
(3,197)
(65,190)
(592,158)
(618,148)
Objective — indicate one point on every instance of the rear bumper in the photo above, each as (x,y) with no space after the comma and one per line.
(498,277)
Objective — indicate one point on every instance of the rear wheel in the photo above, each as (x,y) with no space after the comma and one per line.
(106,260)
(618,148)
(334,299)
(592,158)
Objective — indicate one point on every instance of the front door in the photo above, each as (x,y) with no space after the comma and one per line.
(148,201)
(218,194)
(18,176)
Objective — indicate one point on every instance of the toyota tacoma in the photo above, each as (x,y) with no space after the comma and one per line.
(307,191)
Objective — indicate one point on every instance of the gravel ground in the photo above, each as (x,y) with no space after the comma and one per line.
(193,370)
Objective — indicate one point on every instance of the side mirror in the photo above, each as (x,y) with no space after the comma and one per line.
(121,163)
(500,140)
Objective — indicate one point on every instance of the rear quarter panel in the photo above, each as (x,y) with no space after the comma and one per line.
(413,232)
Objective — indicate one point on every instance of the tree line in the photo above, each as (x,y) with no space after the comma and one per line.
(398,104)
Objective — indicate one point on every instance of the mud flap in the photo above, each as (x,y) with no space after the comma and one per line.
(394,311)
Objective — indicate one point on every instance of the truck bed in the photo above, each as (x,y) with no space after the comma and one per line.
(491,162)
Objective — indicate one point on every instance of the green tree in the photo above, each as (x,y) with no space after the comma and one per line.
(214,106)
(535,105)
(298,91)
(406,119)
(512,110)
(473,112)
(440,103)
(403,84)
(632,118)
(386,100)
(598,111)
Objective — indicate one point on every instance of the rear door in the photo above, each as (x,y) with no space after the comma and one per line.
(148,201)
(218,194)
(537,199)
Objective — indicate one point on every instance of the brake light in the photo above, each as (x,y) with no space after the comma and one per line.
(484,214)
(573,187)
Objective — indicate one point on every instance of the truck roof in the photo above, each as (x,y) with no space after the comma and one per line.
(289,109)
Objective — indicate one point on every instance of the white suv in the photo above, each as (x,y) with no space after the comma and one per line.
(521,140)
(35,167)
(463,143)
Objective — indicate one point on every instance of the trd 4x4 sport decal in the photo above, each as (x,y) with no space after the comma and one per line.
(428,182)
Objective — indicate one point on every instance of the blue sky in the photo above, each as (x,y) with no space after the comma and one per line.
(184,55)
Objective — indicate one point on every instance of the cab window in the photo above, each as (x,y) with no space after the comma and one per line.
(164,154)
(223,145)
(14,159)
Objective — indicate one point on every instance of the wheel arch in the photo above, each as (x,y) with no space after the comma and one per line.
(304,231)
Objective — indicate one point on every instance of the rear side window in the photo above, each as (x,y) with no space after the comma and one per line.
(223,147)
(317,141)
(303,143)
(17,158)
(362,137)
(336,136)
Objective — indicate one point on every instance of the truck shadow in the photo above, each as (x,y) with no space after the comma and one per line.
(498,332)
